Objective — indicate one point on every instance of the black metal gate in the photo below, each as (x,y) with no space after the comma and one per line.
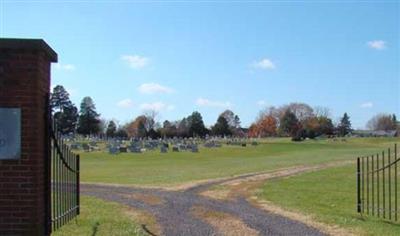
(377,186)
(63,175)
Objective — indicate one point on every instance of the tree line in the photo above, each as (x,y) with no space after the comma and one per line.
(297,120)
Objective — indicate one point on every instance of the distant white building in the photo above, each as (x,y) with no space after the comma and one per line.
(375,133)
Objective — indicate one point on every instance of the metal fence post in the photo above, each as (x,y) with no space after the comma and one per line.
(77,184)
(358,186)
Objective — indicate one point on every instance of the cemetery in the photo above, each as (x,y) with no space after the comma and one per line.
(113,146)
(199,118)
(219,157)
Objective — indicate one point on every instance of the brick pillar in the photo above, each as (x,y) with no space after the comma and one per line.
(24,186)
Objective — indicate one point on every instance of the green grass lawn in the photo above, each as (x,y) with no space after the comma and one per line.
(155,168)
(329,196)
(100,218)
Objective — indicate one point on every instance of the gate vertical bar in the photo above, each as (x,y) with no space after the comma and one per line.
(67,187)
(70,185)
(373,192)
(58,179)
(54,184)
(59,164)
(395,182)
(383,185)
(390,187)
(78,185)
(362,185)
(377,183)
(358,186)
(62,183)
(367,184)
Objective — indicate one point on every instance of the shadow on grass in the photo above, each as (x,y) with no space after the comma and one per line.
(366,218)
(95,228)
(147,230)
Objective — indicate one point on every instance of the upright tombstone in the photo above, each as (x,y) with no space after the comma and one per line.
(195,148)
(113,150)
(123,149)
(163,149)
(24,146)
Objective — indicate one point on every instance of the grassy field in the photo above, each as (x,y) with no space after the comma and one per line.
(100,218)
(331,201)
(155,168)
(329,196)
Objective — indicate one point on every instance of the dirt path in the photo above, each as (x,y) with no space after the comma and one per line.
(192,212)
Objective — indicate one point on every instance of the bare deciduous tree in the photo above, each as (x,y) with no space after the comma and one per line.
(381,122)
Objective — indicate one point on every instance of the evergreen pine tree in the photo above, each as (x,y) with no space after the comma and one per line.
(345,125)
(88,118)
(221,127)
(196,125)
(64,111)
(111,129)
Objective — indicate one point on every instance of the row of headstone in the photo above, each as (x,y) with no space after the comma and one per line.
(189,147)
(212,144)
(141,145)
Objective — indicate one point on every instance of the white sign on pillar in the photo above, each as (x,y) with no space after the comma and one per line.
(10,133)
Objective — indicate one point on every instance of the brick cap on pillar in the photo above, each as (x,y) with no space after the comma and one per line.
(29,44)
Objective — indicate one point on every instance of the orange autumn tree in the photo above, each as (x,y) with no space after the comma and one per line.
(137,127)
(265,126)
(253,131)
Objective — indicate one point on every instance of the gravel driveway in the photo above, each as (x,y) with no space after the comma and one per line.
(174,211)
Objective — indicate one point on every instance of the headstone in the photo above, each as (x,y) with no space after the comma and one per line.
(163,149)
(135,149)
(75,146)
(195,148)
(86,147)
(93,143)
(182,146)
(113,150)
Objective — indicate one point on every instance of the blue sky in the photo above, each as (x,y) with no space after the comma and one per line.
(177,57)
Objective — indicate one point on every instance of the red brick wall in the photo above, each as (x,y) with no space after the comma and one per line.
(24,83)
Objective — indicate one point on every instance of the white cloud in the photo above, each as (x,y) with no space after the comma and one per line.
(377,44)
(208,103)
(65,67)
(136,61)
(264,64)
(261,103)
(125,103)
(156,106)
(367,105)
(151,88)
